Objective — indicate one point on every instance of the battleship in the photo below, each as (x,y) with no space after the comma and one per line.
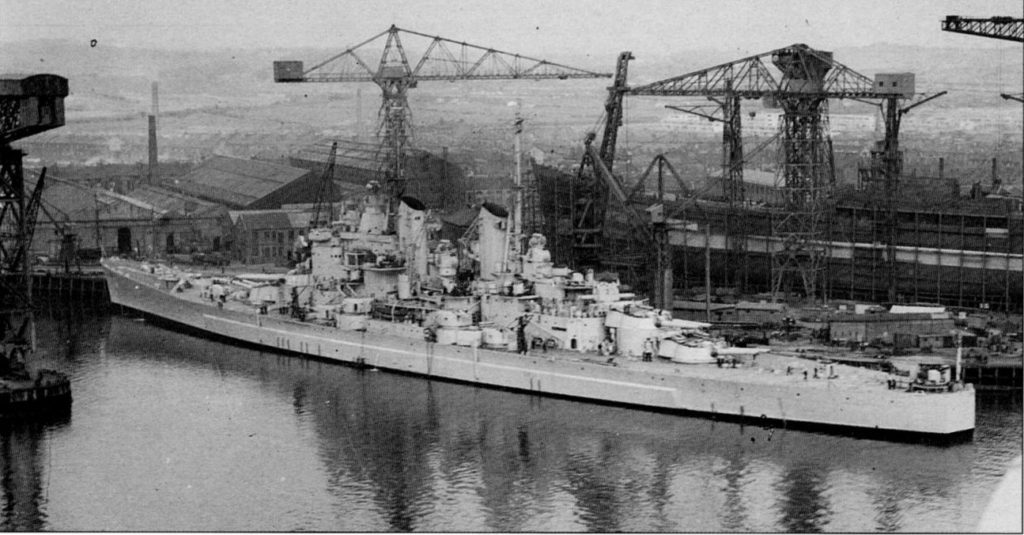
(378,288)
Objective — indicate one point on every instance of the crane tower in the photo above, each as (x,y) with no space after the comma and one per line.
(801,82)
(396,72)
(28,105)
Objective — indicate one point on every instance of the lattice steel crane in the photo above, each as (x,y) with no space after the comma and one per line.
(28,105)
(1005,28)
(590,189)
(323,208)
(800,80)
(395,73)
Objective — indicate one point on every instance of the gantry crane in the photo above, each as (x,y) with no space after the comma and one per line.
(802,81)
(395,73)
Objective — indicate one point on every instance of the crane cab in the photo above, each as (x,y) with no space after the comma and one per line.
(287,71)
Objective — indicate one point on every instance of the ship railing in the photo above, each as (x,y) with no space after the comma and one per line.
(563,313)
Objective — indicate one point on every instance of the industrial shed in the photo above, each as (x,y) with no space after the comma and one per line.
(176,223)
(433,180)
(249,184)
(148,220)
(888,327)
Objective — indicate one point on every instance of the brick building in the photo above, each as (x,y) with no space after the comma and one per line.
(266,236)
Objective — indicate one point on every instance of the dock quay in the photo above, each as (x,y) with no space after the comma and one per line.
(985,372)
(86,285)
(69,286)
(994,375)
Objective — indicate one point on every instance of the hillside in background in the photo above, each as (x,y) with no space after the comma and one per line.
(113,70)
(224,101)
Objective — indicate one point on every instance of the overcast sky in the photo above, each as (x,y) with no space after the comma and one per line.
(649,28)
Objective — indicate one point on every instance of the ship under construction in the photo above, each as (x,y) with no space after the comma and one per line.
(963,252)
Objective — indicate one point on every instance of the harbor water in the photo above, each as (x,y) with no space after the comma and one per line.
(174,432)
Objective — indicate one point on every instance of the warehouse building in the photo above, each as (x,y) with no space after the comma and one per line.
(241,184)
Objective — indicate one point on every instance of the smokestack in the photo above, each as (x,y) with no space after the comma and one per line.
(942,168)
(152,136)
(156,100)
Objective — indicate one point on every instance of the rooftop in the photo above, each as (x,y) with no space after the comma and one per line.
(237,182)
(167,202)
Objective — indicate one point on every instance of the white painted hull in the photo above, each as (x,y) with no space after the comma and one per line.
(775,399)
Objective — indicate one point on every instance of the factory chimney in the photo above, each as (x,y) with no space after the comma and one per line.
(152,136)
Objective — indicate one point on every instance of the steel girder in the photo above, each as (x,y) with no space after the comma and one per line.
(1005,28)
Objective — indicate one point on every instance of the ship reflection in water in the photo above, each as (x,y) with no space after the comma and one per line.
(171,432)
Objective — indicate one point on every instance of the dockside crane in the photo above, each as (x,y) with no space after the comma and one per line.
(28,105)
(800,80)
(395,72)
(886,168)
(323,208)
(590,189)
(801,83)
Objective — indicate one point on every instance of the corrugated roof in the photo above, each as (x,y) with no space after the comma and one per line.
(916,309)
(237,182)
(165,200)
(63,198)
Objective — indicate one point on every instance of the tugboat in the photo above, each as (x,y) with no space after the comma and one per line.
(939,377)
(23,393)
(932,378)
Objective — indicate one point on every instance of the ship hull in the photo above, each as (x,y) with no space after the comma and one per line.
(401,347)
